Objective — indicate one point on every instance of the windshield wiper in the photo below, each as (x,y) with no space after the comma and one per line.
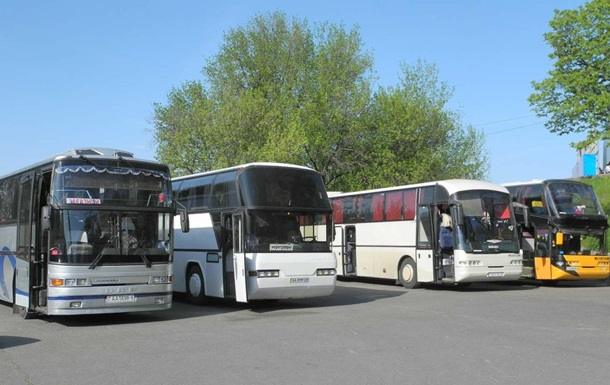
(146,260)
(98,258)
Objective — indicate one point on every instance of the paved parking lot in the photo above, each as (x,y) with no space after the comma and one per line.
(365,333)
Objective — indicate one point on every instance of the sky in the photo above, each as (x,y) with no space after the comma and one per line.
(79,73)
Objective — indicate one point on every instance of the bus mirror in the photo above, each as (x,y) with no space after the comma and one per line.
(459,214)
(45,215)
(559,239)
(526,217)
(522,214)
(184,222)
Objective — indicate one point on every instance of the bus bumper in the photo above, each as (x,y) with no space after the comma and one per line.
(290,287)
(65,301)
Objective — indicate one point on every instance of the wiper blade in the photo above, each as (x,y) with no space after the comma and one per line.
(146,260)
(98,258)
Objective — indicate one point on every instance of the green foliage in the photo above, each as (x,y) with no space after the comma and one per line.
(281,91)
(412,137)
(601,186)
(576,95)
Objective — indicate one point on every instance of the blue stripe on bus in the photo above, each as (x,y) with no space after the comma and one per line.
(85,297)
(21,292)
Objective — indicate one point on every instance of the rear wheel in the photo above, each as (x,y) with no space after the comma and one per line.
(407,274)
(195,289)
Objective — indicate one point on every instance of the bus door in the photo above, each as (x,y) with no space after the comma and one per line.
(543,254)
(425,256)
(40,248)
(349,253)
(23,298)
(240,271)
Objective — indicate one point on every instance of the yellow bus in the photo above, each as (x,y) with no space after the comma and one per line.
(567,232)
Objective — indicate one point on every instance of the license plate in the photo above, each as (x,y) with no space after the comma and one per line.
(120,298)
(299,280)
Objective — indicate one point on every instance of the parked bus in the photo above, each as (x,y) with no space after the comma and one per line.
(84,232)
(446,232)
(566,239)
(258,231)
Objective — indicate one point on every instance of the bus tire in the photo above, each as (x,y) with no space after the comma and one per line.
(195,288)
(407,274)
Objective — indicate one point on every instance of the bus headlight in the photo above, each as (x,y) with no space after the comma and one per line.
(162,279)
(71,282)
(268,273)
(322,272)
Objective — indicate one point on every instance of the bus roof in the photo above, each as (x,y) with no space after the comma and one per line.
(243,166)
(452,186)
(88,152)
(540,181)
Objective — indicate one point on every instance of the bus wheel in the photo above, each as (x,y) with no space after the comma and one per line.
(407,274)
(195,290)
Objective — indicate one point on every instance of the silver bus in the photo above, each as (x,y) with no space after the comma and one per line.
(87,231)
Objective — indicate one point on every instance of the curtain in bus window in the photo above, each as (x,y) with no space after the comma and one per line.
(410,204)
(393,206)
(338,210)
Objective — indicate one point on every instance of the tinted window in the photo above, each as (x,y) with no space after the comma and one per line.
(283,187)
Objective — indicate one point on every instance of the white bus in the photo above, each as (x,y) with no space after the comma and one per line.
(87,231)
(395,233)
(259,231)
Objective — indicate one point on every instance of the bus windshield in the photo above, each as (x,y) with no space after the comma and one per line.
(105,185)
(489,226)
(574,198)
(270,231)
(283,187)
(95,237)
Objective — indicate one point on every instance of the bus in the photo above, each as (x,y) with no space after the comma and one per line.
(86,232)
(566,238)
(258,231)
(444,232)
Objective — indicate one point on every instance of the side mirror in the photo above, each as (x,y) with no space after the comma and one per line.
(184,222)
(459,214)
(45,216)
(522,214)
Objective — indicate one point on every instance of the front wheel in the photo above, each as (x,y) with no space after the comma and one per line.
(195,289)
(407,274)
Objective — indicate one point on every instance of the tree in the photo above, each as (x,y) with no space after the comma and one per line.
(276,91)
(413,137)
(280,91)
(576,95)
